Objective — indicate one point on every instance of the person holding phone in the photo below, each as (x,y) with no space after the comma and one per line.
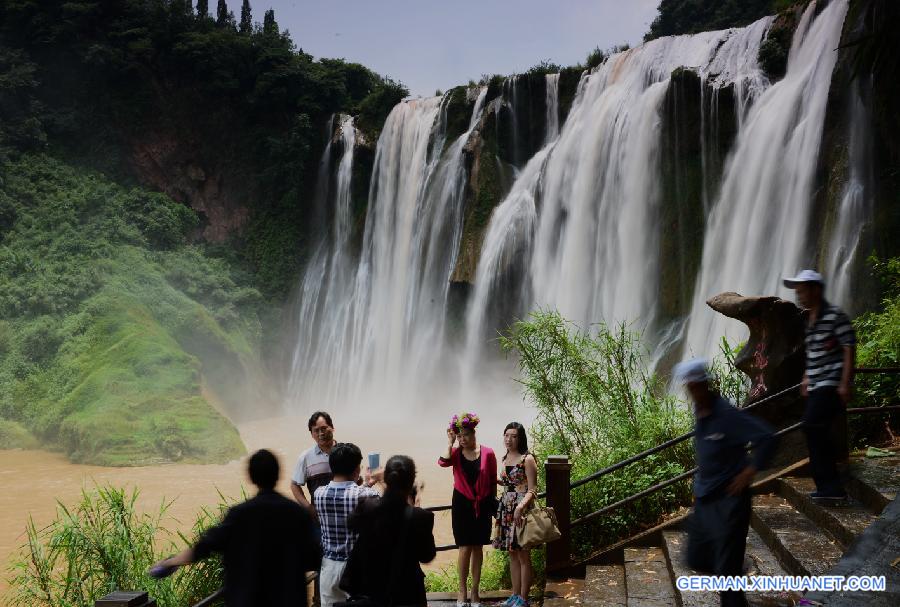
(474,500)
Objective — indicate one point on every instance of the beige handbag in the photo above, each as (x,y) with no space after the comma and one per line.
(538,527)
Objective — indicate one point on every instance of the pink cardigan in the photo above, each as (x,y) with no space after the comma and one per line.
(485,486)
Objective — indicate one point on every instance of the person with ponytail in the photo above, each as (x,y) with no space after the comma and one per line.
(519,478)
(394,538)
(474,500)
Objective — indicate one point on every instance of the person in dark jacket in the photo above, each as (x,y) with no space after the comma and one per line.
(267,543)
(717,528)
(394,538)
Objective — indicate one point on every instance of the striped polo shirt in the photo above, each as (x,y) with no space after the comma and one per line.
(825,341)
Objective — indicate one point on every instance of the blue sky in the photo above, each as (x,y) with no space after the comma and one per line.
(437,44)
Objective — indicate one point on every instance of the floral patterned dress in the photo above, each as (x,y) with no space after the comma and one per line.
(511,478)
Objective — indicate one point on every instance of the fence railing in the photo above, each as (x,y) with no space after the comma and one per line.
(559,485)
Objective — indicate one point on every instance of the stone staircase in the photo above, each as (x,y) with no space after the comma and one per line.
(790,534)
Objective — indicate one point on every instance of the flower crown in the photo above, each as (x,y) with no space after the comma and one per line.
(464,420)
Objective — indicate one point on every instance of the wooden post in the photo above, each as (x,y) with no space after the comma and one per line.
(557,470)
(125,599)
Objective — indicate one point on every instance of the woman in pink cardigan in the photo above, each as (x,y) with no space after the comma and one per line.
(474,500)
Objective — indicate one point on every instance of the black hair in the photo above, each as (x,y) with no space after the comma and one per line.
(400,474)
(522,438)
(344,459)
(263,468)
(315,417)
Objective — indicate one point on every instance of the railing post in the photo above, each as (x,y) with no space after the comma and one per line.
(125,599)
(557,470)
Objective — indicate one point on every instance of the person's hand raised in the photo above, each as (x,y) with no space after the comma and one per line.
(451,437)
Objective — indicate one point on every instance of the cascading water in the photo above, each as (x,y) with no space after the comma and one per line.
(328,280)
(387,324)
(551,99)
(593,239)
(757,231)
(855,210)
(581,225)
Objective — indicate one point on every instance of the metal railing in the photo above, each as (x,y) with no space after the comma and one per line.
(558,553)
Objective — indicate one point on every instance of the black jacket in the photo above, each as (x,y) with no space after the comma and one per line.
(379,523)
(267,544)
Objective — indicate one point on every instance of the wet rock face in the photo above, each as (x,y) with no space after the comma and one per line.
(774,355)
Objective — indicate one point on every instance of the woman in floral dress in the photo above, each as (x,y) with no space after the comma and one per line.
(519,478)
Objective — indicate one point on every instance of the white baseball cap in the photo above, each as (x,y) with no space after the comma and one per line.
(691,371)
(804,276)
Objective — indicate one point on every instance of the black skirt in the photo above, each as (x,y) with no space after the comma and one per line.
(467,529)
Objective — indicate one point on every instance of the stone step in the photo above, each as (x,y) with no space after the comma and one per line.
(802,548)
(647,578)
(875,482)
(564,593)
(604,585)
(758,560)
(843,519)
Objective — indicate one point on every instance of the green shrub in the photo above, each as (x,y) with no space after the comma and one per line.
(102,544)
(878,345)
(14,436)
(597,403)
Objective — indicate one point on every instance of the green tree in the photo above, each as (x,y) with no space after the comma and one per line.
(224,17)
(246,18)
(203,8)
(270,27)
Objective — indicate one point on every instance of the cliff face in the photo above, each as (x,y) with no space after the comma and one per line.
(860,143)
(167,163)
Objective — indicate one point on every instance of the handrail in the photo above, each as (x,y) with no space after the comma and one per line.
(678,439)
(684,475)
(211,598)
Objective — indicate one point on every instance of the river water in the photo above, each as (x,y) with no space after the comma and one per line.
(33,481)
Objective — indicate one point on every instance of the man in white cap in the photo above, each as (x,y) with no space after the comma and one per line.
(828,380)
(717,529)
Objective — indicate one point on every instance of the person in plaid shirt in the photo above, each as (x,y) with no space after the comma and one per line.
(334,504)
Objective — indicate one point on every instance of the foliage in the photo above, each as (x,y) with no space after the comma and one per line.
(96,81)
(102,544)
(878,335)
(544,67)
(731,382)
(691,16)
(109,320)
(494,574)
(597,402)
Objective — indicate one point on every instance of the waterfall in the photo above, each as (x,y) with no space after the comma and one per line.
(757,231)
(590,243)
(854,215)
(582,228)
(388,323)
(328,279)
(551,98)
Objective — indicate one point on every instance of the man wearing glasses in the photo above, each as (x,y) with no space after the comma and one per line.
(313,469)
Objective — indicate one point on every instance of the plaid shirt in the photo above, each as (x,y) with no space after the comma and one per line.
(334,504)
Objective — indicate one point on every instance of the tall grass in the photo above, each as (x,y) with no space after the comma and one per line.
(103,544)
(598,402)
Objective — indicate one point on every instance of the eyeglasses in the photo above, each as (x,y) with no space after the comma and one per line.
(321,430)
